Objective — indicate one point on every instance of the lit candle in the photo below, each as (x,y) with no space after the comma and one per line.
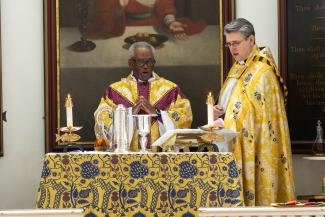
(210,103)
(68,109)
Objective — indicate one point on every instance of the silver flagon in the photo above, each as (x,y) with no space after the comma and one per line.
(120,129)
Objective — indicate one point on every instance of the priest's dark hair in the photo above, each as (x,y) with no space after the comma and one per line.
(240,25)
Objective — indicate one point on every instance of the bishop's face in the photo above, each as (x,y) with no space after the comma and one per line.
(142,63)
(239,46)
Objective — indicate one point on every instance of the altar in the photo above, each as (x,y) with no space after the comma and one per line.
(133,184)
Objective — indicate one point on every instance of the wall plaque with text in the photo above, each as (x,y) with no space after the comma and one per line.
(302,51)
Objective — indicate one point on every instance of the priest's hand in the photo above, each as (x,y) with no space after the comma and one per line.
(146,106)
(217,111)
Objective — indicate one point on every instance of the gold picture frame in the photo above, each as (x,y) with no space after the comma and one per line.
(86,83)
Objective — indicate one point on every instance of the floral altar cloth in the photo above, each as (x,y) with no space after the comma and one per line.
(154,184)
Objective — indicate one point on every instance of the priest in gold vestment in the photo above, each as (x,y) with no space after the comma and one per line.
(252,100)
(144,92)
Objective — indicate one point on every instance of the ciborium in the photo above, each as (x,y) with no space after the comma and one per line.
(143,124)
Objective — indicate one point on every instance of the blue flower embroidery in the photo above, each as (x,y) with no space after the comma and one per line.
(187,170)
(89,170)
(139,214)
(90,215)
(233,193)
(257,95)
(46,170)
(188,214)
(250,196)
(175,116)
(84,193)
(222,192)
(182,193)
(245,132)
(138,170)
(133,193)
(232,171)
(248,77)
(232,201)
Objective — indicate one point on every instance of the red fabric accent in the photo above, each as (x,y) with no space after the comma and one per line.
(117,98)
(164,7)
(164,102)
(143,89)
(110,20)
(105,23)
(160,9)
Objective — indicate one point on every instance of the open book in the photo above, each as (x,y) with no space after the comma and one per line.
(169,138)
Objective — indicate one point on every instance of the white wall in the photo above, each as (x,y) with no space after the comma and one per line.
(264,16)
(23,99)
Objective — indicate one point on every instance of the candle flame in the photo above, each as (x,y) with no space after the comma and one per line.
(68,101)
(210,99)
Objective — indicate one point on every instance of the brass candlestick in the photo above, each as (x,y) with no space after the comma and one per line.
(68,136)
(209,138)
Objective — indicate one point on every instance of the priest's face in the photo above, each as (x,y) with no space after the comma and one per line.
(239,46)
(142,63)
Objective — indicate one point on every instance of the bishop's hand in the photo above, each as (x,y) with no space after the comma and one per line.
(143,104)
(137,107)
(147,107)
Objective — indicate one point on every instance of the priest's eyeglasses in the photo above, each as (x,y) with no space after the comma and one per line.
(142,62)
(233,44)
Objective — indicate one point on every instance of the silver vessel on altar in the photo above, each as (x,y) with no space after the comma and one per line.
(143,124)
(121,137)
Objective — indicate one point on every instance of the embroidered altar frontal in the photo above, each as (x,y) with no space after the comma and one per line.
(155,184)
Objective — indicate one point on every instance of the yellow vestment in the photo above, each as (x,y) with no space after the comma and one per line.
(163,95)
(262,149)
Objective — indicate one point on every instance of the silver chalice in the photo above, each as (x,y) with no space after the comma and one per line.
(143,124)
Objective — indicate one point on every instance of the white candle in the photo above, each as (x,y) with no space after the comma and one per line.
(68,109)
(210,103)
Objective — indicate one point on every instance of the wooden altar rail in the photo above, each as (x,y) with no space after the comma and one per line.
(43,212)
(263,211)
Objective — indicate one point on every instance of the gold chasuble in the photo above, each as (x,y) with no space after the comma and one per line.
(262,149)
(173,108)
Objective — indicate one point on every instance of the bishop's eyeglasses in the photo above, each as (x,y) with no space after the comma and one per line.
(142,62)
